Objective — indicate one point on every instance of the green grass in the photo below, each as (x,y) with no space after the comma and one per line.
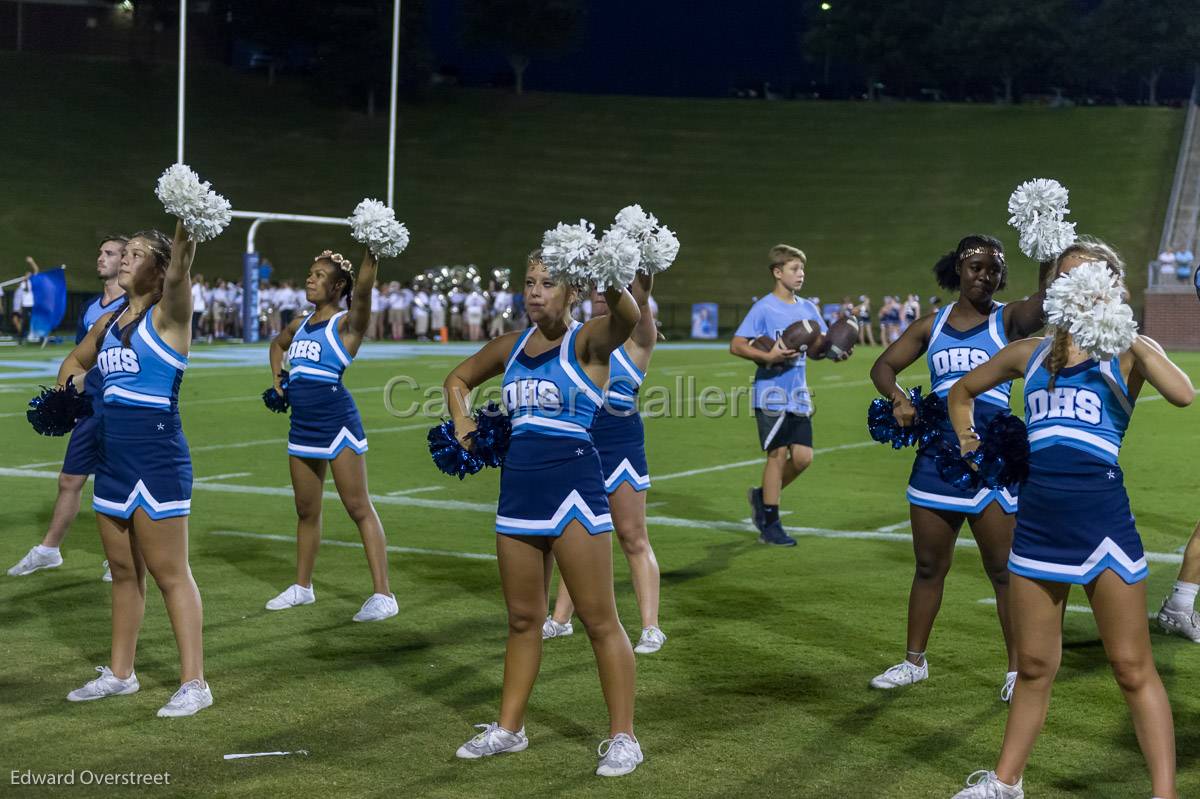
(873,193)
(761,690)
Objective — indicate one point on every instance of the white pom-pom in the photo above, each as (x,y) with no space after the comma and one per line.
(1087,302)
(658,243)
(566,250)
(204,213)
(615,260)
(637,222)
(659,250)
(375,225)
(1036,199)
(1046,237)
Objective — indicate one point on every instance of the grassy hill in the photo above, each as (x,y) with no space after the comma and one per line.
(873,193)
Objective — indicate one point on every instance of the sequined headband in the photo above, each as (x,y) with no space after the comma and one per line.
(992,251)
(342,262)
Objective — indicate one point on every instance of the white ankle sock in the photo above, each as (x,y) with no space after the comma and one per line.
(920,655)
(54,551)
(1183,598)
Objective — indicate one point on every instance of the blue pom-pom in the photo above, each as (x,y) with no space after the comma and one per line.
(882,424)
(273,399)
(56,411)
(449,455)
(953,468)
(493,434)
(932,418)
(1003,455)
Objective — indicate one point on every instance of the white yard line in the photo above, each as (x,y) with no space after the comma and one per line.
(225,476)
(756,462)
(898,526)
(291,539)
(991,600)
(404,491)
(489,508)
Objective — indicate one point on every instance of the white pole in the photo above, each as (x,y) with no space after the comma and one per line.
(391,176)
(182,72)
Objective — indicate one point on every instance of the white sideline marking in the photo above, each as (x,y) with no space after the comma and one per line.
(1070,608)
(891,527)
(756,462)
(220,476)
(291,539)
(39,465)
(421,490)
(490,509)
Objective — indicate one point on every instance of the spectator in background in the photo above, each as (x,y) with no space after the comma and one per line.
(288,305)
(866,333)
(889,320)
(1183,263)
(420,314)
(1166,261)
(502,304)
(375,324)
(473,309)
(23,301)
(199,305)
(519,318)
(395,310)
(910,312)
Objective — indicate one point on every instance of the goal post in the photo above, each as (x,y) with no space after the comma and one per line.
(251,260)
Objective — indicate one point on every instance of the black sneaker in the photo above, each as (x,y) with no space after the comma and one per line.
(774,534)
(756,508)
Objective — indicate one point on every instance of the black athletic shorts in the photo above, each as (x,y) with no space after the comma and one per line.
(783,429)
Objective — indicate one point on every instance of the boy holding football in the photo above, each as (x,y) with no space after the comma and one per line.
(782,405)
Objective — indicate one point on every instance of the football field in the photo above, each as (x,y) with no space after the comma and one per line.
(761,689)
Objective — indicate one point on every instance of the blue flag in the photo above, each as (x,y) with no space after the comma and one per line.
(49,301)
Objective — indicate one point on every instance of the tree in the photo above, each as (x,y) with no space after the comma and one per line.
(522,29)
(1144,38)
(1014,41)
(886,41)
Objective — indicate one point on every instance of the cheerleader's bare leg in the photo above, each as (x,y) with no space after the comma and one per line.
(308,486)
(1036,610)
(128,591)
(1120,610)
(993,531)
(586,564)
(350,478)
(525,563)
(164,547)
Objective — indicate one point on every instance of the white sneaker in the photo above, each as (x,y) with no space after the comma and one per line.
(986,785)
(35,559)
(494,740)
(107,578)
(552,629)
(619,755)
(1010,682)
(1173,622)
(292,596)
(377,608)
(107,684)
(651,641)
(903,673)
(190,699)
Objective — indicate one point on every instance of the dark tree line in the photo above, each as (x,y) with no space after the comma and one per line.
(961,48)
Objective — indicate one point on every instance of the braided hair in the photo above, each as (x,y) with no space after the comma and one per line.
(946,268)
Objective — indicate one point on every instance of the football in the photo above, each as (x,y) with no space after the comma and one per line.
(802,335)
(764,343)
(841,338)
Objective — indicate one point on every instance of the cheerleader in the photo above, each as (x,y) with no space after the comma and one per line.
(1178,615)
(143,489)
(953,340)
(621,441)
(325,426)
(1074,525)
(552,500)
(83,446)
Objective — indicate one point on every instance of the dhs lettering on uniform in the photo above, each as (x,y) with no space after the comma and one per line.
(306,349)
(957,359)
(529,392)
(118,359)
(1081,404)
